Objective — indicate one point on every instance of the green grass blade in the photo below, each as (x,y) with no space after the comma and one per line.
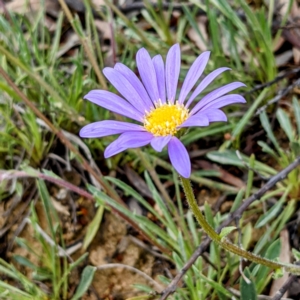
(85,282)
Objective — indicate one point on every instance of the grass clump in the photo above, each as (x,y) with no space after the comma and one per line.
(54,76)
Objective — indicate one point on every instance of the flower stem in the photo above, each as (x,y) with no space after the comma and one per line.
(223,242)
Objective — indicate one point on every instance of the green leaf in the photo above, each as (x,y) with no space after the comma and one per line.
(182,249)
(295,146)
(78,261)
(267,127)
(247,235)
(238,199)
(226,230)
(166,211)
(214,30)
(285,123)
(145,224)
(197,133)
(296,106)
(248,291)
(50,173)
(85,282)
(275,227)
(218,287)
(296,254)
(49,210)
(266,148)
(143,288)
(24,261)
(250,176)
(278,273)
(93,227)
(229,157)
(26,283)
(271,213)
(10,292)
(178,260)
(226,157)
(262,277)
(209,215)
(130,191)
(192,20)
(192,227)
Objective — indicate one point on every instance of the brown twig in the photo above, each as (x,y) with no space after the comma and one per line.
(138,6)
(171,288)
(155,284)
(279,294)
(79,7)
(269,83)
(279,95)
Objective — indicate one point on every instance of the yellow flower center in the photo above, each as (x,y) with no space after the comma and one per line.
(164,119)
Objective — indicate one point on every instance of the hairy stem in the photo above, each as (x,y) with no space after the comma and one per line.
(223,242)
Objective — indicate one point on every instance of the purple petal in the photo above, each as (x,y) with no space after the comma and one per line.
(193,75)
(204,83)
(159,142)
(114,103)
(160,76)
(147,73)
(136,83)
(172,72)
(212,115)
(196,120)
(179,157)
(108,127)
(216,94)
(128,140)
(125,88)
(225,100)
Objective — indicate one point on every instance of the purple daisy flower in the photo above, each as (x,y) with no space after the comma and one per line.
(152,102)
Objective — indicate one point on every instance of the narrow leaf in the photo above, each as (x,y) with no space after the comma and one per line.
(296,106)
(226,230)
(93,227)
(248,291)
(267,127)
(285,123)
(85,282)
